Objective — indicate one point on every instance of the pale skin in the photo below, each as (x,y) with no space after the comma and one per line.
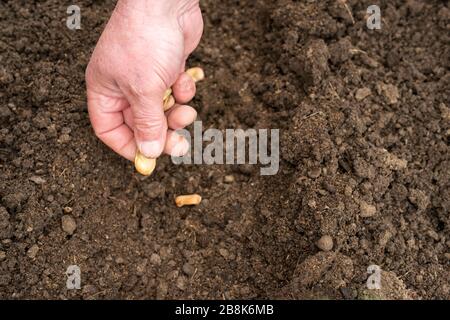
(141,53)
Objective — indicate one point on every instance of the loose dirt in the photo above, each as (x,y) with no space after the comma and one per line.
(365,124)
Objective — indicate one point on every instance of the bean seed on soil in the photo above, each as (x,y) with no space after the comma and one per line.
(188,200)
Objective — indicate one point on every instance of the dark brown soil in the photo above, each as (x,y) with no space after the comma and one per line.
(365,125)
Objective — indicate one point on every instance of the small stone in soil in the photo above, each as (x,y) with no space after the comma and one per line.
(368,61)
(68,224)
(120,260)
(419,198)
(393,162)
(389,91)
(314,173)
(348,191)
(64,138)
(224,252)
(32,252)
(181,283)
(367,210)
(362,93)
(37,180)
(67,209)
(188,269)
(312,204)
(228,179)
(384,238)
(161,290)
(329,187)
(155,259)
(325,243)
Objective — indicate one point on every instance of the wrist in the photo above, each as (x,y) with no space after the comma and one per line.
(169,8)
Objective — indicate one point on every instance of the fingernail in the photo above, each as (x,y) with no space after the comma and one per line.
(187,85)
(151,149)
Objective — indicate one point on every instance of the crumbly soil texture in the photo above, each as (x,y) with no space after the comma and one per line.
(364,159)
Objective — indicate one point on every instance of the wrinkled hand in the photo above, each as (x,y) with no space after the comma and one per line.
(141,53)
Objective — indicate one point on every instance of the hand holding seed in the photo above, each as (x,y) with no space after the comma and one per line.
(144,165)
(141,53)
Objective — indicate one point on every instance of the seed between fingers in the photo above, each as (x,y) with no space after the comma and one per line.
(196,73)
(144,165)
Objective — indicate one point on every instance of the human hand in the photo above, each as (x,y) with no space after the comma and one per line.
(140,54)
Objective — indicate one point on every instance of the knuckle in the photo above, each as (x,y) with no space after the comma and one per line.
(145,90)
(148,122)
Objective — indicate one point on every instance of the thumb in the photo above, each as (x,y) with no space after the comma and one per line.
(150,125)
